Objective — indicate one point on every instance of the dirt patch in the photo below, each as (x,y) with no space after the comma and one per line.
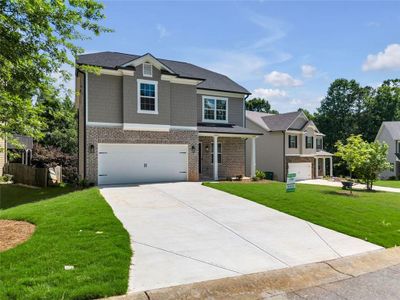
(13,233)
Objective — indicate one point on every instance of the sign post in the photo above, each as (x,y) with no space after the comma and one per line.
(291,182)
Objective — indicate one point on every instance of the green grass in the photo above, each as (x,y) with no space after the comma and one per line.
(65,235)
(388,183)
(371,216)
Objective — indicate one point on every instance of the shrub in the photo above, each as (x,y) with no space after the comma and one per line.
(260,174)
(49,157)
(6,178)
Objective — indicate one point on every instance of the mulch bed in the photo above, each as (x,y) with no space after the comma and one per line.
(13,233)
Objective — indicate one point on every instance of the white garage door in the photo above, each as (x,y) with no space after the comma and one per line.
(303,170)
(141,163)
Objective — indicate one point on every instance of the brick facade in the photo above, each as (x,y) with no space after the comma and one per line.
(96,135)
(233,157)
(300,159)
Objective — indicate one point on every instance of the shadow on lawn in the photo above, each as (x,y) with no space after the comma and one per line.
(356,192)
(12,195)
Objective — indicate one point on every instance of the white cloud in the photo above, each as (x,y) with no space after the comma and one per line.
(282,79)
(308,71)
(388,59)
(162,31)
(268,93)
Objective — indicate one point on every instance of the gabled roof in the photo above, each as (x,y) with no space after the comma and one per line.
(393,127)
(211,80)
(279,122)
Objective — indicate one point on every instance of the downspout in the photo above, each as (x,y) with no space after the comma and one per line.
(284,156)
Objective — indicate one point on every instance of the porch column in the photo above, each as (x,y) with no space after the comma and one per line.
(324,167)
(316,167)
(331,167)
(215,157)
(253,158)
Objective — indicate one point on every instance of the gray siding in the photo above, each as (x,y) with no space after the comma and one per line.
(269,152)
(105,98)
(183,105)
(235,109)
(387,138)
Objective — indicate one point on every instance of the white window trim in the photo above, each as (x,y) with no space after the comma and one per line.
(215,110)
(151,70)
(140,111)
(219,153)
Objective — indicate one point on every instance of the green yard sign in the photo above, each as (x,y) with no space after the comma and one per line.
(291,182)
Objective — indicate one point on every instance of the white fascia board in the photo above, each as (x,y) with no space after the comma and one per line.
(156,127)
(119,72)
(244,136)
(175,79)
(219,93)
(148,58)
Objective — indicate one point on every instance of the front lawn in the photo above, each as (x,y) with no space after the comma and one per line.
(388,183)
(372,216)
(76,229)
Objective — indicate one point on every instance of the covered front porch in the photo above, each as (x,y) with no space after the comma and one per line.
(222,151)
(323,164)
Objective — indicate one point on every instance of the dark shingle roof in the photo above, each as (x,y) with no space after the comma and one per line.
(225,128)
(279,122)
(212,80)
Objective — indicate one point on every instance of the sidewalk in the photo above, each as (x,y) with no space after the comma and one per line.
(356,186)
(373,275)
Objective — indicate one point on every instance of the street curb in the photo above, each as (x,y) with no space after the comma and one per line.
(276,282)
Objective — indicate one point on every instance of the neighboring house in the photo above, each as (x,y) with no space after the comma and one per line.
(145,119)
(3,155)
(389,133)
(25,151)
(290,143)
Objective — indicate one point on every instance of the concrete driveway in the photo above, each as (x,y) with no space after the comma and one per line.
(185,232)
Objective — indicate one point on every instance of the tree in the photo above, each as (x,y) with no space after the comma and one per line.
(309,115)
(341,111)
(260,105)
(61,119)
(36,40)
(364,159)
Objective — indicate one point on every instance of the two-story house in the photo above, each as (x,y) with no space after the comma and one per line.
(144,119)
(389,132)
(290,143)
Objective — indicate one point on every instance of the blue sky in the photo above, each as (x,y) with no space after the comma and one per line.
(288,52)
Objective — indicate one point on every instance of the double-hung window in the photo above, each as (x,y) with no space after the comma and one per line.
(215,109)
(292,141)
(309,142)
(147,97)
(219,153)
(319,143)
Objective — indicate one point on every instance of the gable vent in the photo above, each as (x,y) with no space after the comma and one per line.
(147,70)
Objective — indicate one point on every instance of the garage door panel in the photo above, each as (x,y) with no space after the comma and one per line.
(140,163)
(303,170)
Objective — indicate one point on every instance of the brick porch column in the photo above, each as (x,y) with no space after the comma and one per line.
(215,157)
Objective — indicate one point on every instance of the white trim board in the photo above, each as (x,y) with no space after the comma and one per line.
(176,79)
(219,93)
(141,126)
(119,72)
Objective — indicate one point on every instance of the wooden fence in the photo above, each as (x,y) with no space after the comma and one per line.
(32,176)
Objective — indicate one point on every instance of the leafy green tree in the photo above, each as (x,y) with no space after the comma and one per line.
(61,120)
(341,110)
(37,38)
(309,115)
(260,105)
(364,159)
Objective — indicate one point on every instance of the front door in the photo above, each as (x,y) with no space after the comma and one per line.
(200,154)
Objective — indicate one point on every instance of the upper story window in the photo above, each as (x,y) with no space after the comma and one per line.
(215,109)
(319,143)
(147,70)
(292,141)
(309,142)
(147,97)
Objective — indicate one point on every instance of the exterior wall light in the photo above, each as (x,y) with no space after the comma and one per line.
(91,148)
(193,149)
